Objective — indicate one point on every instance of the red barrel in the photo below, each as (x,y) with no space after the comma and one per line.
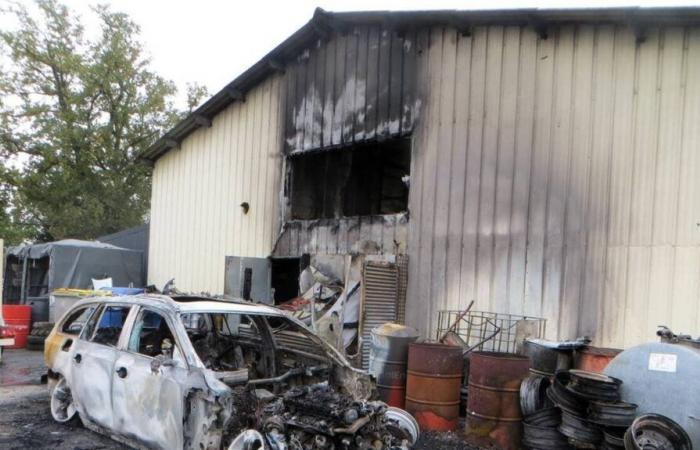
(18,318)
(493,406)
(433,385)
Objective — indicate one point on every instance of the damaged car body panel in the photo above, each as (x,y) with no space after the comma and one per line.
(190,372)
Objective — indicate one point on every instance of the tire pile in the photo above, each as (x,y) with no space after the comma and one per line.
(574,409)
(36,338)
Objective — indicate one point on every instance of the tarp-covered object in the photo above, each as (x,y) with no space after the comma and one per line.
(74,263)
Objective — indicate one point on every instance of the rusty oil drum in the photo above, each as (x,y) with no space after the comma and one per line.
(387,361)
(433,385)
(594,359)
(493,406)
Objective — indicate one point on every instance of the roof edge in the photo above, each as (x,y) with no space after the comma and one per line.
(323,22)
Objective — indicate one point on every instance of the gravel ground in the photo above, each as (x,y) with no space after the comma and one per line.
(443,441)
(26,423)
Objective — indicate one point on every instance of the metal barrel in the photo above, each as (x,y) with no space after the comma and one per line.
(433,385)
(387,361)
(594,359)
(493,408)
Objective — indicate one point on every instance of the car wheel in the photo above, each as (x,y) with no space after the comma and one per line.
(62,407)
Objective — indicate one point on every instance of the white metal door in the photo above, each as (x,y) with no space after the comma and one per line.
(148,401)
(91,379)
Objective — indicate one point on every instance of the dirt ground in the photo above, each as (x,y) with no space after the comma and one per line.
(25,418)
(26,423)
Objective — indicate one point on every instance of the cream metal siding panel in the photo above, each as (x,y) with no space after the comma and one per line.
(689,196)
(558,177)
(458,167)
(522,173)
(596,216)
(445,128)
(195,214)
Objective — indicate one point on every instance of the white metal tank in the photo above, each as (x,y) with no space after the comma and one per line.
(663,378)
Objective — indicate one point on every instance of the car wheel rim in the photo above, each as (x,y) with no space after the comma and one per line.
(62,408)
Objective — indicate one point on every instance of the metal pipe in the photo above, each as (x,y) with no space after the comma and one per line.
(23,287)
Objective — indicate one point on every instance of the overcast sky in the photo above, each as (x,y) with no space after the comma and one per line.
(213,41)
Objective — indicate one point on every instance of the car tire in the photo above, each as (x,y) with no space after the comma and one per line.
(62,408)
(35,342)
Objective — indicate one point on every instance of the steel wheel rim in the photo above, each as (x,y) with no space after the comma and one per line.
(62,408)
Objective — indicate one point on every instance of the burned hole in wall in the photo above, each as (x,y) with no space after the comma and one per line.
(284,278)
(356,180)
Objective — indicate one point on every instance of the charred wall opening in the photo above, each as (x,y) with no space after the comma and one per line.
(285,278)
(357,180)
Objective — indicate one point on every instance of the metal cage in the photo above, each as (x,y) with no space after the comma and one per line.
(489,331)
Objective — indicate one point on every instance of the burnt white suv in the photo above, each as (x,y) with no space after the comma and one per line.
(188,372)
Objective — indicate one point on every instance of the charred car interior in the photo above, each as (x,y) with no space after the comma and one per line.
(248,376)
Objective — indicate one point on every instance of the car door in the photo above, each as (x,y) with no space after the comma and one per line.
(148,391)
(94,356)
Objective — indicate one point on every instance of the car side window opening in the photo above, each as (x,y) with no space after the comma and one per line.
(75,322)
(262,346)
(110,325)
(89,327)
(151,336)
(226,342)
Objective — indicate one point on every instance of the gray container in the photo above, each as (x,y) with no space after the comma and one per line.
(662,378)
(62,300)
(388,359)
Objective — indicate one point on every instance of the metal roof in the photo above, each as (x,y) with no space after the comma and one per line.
(323,23)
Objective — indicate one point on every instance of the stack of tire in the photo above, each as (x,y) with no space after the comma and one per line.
(36,338)
(541,419)
(593,416)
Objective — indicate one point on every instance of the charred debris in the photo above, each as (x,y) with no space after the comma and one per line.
(272,381)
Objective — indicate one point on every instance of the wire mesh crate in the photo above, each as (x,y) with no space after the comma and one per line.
(489,331)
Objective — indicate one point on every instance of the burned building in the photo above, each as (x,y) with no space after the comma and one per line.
(540,162)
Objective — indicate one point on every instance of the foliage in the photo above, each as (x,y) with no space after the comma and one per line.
(74,114)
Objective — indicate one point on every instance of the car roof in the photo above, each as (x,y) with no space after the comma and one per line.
(224,307)
(189,304)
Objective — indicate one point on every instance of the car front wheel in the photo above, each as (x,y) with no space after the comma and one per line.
(62,407)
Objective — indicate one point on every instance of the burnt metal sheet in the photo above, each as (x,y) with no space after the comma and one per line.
(354,87)
(381,234)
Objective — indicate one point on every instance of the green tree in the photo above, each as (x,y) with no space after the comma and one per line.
(75,111)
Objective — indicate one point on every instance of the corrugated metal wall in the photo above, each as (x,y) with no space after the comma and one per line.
(559,177)
(196,219)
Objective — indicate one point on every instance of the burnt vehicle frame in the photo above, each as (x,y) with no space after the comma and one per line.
(154,371)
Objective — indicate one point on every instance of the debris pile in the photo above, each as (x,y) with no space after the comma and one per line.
(329,307)
(576,409)
(319,417)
